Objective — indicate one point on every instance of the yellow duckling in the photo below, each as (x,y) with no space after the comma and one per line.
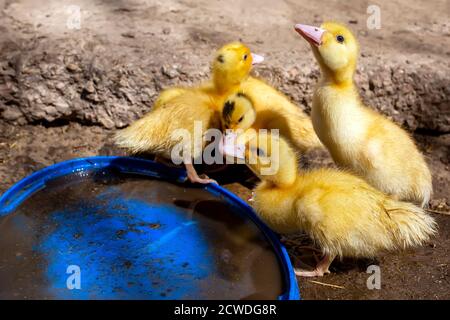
(230,67)
(175,125)
(239,114)
(343,214)
(273,109)
(357,137)
(259,106)
(276,111)
(166,95)
(177,109)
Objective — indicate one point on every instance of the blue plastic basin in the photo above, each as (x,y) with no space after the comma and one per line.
(127,228)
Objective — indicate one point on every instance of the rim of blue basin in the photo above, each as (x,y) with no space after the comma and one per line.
(23,189)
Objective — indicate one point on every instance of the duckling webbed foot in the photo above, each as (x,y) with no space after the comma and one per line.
(320,270)
(193,177)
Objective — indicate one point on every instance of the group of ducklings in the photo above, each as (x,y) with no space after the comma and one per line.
(373,203)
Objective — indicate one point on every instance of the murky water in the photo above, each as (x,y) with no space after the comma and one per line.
(133,238)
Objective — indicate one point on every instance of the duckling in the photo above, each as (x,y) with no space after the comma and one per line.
(342,213)
(166,95)
(273,108)
(160,131)
(359,138)
(180,108)
(230,67)
(239,114)
(276,111)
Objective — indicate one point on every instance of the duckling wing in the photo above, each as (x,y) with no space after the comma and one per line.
(381,160)
(276,111)
(348,217)
(167,95)
(163,128)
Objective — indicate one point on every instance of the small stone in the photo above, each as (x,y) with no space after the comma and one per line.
(11,114)
(50,110)
(169,72)
(60,85)
(62,106)
(166,31)
(42,91)
(90,87)
(105,119)
(72,67)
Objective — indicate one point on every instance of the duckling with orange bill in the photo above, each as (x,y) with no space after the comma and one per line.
(359,138)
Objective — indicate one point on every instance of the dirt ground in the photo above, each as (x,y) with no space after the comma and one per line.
(64,91)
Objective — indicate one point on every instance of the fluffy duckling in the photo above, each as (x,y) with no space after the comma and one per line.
(240,113)
(273,109)
(343,214)
(357,137)
(161,130)
(180,108)
(276,111)
(166,95)
(230,67)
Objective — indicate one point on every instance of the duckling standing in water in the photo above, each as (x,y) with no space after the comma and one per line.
(357,137)
(180,108)
(342,213)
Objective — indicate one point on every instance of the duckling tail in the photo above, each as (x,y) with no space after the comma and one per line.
(409,224)
(142,135)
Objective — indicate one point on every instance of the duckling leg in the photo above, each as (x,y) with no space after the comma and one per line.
(195,178)
(321,268)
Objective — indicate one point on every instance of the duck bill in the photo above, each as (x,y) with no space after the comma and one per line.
(256,59)
(229,146)
(310,33)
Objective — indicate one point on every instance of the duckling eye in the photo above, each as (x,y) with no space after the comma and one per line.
(241,118)
(259,152)
(340,39)
(245,57)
